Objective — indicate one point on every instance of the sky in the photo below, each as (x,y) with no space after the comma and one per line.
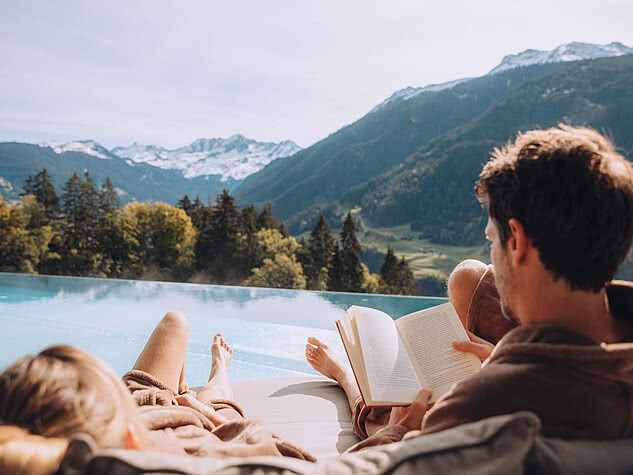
(167,73)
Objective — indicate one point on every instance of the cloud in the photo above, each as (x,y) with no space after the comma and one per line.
(168,73)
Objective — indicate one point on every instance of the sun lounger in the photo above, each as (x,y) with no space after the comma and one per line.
(313,412)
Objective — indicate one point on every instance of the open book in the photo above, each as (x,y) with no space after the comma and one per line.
(393,359)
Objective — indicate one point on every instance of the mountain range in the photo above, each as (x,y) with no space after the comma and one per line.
(574,51)
(233,158)
(413,159)
(143,172)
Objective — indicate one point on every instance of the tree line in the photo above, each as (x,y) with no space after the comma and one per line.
(86,232)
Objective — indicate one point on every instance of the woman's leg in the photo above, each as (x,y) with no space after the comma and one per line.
(219,386)
(461,286)
(472,289)
(164,354)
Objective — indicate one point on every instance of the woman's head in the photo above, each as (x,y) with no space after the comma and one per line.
(64,390)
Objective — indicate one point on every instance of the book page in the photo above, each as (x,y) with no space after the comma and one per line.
(428,337)
(389,372)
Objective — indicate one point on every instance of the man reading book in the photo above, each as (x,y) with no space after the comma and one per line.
(560,223)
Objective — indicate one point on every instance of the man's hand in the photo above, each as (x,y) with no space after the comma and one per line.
(411,416)
(477,346)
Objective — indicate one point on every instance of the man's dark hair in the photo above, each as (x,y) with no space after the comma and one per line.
(573,194)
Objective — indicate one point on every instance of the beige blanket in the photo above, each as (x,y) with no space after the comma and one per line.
(180,424)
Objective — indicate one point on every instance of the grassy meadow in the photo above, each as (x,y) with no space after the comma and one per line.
(424,257)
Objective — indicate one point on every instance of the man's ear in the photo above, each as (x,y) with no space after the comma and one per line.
(518,243)
(131,440)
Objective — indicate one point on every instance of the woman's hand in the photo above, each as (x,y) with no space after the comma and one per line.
(411,416)
(477,346)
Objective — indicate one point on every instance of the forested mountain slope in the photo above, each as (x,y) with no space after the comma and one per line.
(433,188)
(376,143)
(415,161)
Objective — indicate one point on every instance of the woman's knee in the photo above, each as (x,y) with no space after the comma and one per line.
(462,284)
(176,322)
(466,273)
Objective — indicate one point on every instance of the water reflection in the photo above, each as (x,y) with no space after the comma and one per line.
(267,328)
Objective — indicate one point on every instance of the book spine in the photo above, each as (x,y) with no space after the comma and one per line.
(340,333)
(360,390)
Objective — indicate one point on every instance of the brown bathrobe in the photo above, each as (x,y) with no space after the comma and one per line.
(580,389)
(180,424)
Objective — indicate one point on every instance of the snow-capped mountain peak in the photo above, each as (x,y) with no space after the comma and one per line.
(410,92)
(573,51)
(89,147)
(235,157)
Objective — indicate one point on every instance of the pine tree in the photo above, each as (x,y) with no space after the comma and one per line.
(350,255)
(305,259)
(218,240)
(321,243)
(185,205)
(46,195)
(248,251)
(90,207)
(198,212)
(43,189)
(29,188)
(80,248)
(337,271)
(108,198)
(71,209)
(397,277)
(108,260)
(405,282)
(321,247)
(248,220)
(388,268)
(282,229)
(266,219)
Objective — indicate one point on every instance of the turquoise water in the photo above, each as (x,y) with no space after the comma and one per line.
(266,328)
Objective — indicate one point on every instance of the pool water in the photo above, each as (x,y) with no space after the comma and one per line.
(266,328)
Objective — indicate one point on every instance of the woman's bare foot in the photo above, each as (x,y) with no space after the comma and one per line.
(319,357)
(219,386)
(221,353)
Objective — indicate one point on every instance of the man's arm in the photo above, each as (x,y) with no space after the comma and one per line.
(401,421)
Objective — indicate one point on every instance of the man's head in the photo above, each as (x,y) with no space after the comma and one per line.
(572,195)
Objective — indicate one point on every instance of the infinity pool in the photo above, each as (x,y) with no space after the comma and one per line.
(266,328)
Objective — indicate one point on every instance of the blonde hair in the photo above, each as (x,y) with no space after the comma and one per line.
(61,391)
(22,453)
